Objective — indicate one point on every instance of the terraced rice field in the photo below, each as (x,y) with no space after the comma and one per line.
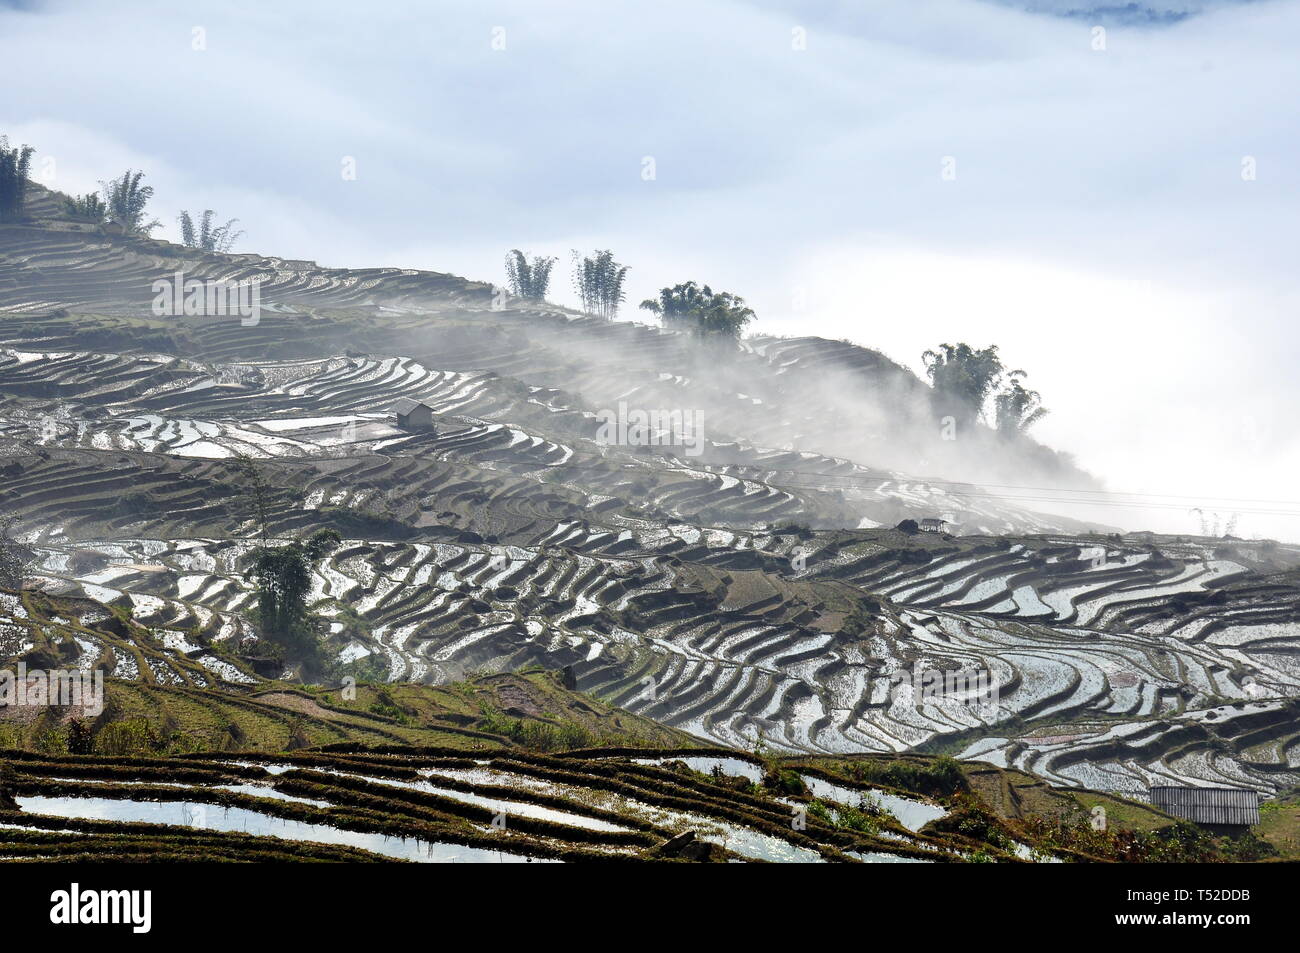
(751,595)
(740,655)
(441,806)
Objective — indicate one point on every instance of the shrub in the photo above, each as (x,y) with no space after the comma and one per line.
(89,207)
(14,166)
(528,280)
(707,314)
(128,737)
(205,237)
(599,283)
(125,200)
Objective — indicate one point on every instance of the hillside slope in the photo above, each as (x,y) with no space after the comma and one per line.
(750,594)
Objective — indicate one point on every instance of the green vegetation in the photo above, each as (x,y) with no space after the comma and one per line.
(528,280)
(8,783)
(963,378)
(283,576)
(1016,408)
(125,199)
(529,724)
(599,283)
(174,703)
(709,315)
(89,207)
(207,238)
(1178,843)
(966,380)
(146,719)
(539,736)
(784,781)
(1279,824)
(865,820)
(123,202)
(971,819)
(15,163)
(15,558)
(933,777)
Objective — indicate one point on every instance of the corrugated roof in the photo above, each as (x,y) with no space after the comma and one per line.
(404,405)
(1238,806)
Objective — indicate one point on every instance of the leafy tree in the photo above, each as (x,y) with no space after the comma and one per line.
(725,318)
(14,165)
(15,558)
(89,207)
(126,199)
(205,237)
(701,310)
(963,378)
(678,306)
(599,283)
(283,575)
(528,280)
(1017,408)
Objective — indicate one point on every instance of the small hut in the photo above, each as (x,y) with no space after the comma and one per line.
(413,415)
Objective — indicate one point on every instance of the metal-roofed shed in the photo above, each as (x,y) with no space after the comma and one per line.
(1230,807)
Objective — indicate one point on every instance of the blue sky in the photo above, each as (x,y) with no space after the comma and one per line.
(1098,227)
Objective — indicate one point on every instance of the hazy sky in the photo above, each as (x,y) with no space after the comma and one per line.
(1118,210)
